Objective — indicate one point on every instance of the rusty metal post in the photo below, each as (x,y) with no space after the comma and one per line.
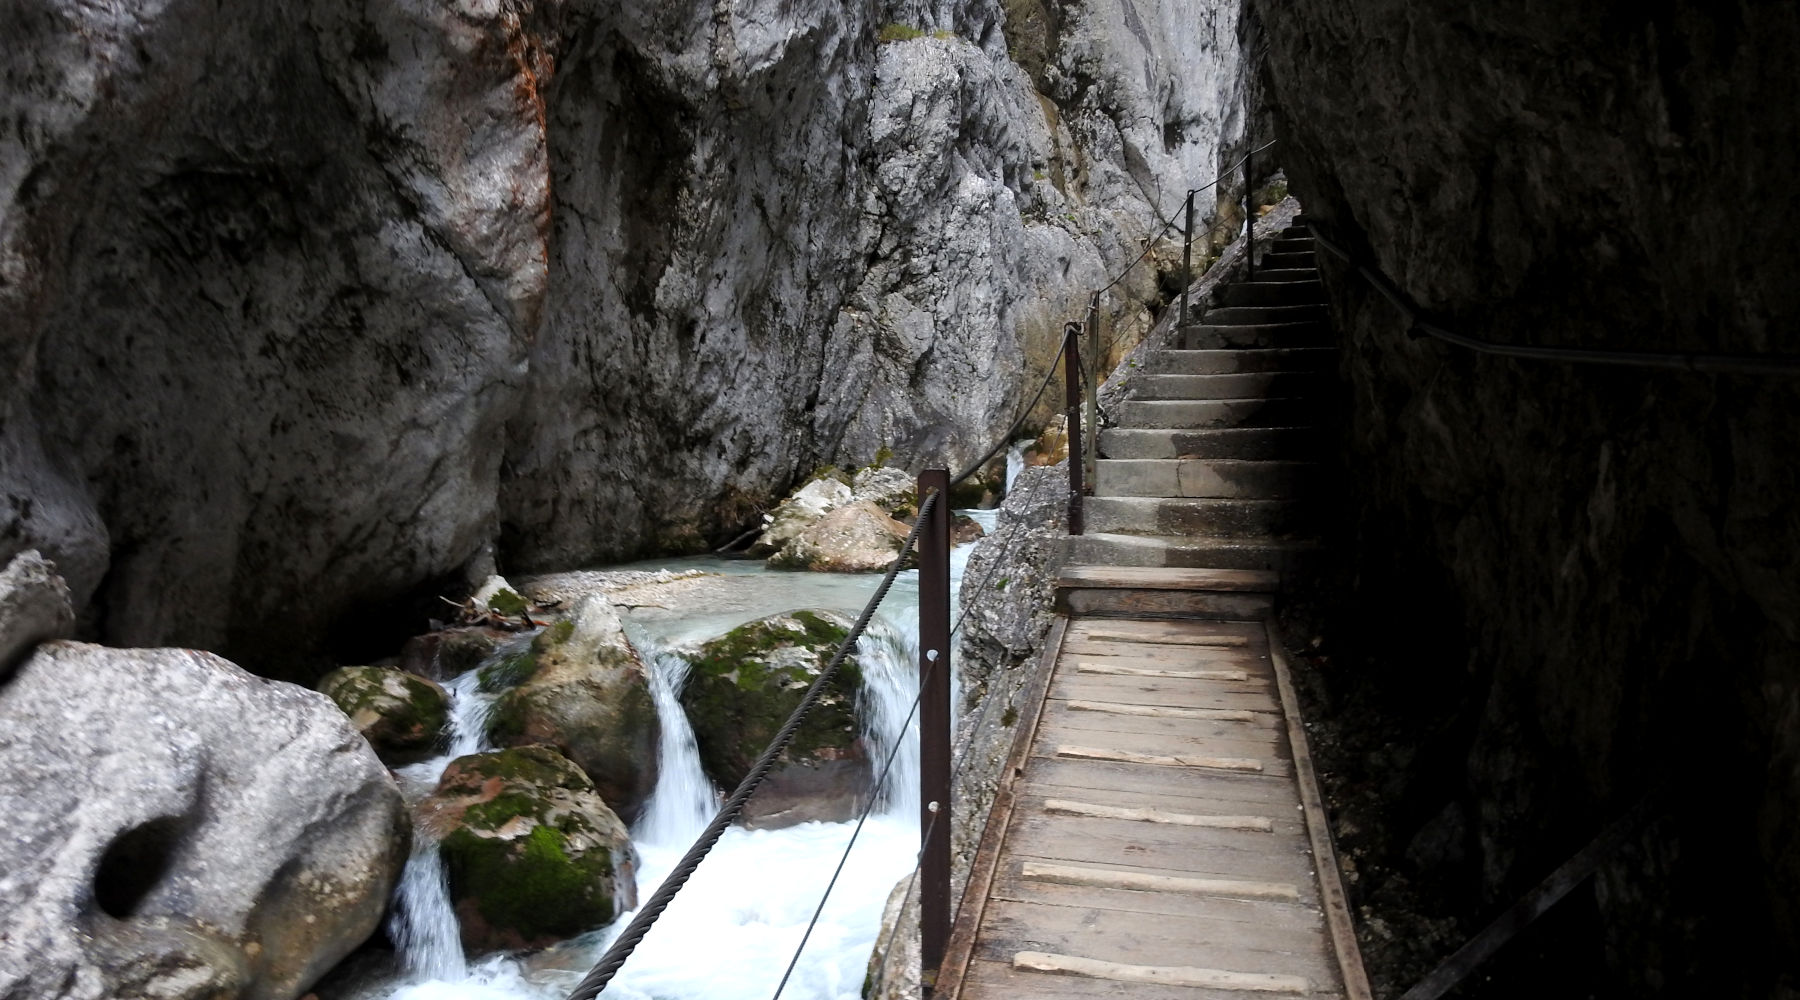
(1091,368)
(1187,267)
(934,728)
(1072,419)
(1249,216)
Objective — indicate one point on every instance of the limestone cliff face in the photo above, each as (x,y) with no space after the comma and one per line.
(1595,567)
(303,307)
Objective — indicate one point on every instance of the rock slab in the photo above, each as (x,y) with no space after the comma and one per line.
(172,826)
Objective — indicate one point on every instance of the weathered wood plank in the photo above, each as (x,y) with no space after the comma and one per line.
(1247,729)
(1061,774)
(992,980)
(1206,656)
(1099,810)
(1127,878)
(1167,578)
(1172,712)
(1071,686)
(1161,760)
(1219,979)
(1285,918)
(1196,852)
(1095,667)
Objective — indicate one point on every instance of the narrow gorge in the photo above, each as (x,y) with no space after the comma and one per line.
(438,439)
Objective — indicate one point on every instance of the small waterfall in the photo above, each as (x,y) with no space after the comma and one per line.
(424,926)
(1015,462)
(684,800)
(889,654)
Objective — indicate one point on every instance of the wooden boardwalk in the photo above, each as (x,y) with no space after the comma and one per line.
(1158,837)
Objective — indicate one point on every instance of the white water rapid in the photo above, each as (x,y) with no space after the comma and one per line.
(1015,462)
(734,926)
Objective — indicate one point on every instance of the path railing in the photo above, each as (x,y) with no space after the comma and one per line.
(931,539)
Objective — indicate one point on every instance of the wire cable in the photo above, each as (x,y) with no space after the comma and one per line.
(627,942)
(1006,438)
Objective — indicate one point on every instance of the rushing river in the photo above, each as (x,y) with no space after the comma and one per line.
(732,930)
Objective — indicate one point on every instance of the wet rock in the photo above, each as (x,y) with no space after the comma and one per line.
(855,538)
(172,826)
(34,607)
(801,511)
(740,690)
(1051,446)
(401,715)
(450,652)
(965,529)
(893,972)
(533,854)
(582,688)
(893,490)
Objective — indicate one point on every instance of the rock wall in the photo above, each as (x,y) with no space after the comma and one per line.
(1572,584)
(309,308)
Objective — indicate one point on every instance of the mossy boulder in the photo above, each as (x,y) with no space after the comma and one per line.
(400,714)
(533,854)
(740,690)
(893,490)
(856,538)
(449,652)
(581,687)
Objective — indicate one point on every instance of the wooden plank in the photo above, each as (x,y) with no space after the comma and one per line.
(1160,691)
(1187,852)
(1060,718)
(1102,811)
(1286,816)
(1167,578)
(1088,667)
(1125,878)
(1254,744)
(1167,711)
(1161,760)
(1167,637)
(966,927)
(1212,656)
(1287,919)
(1065,775)
(1168,975)
(1336,904)
(1125,936)
(992,980)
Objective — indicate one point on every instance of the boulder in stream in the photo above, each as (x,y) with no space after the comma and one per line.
(172,826)
(740,690)
(401,715)
(533,854)
(856,538)
(583,689)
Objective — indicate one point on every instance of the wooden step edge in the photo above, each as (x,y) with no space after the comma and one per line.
(1168,578)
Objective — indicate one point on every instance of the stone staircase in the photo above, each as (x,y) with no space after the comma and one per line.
(1201,495)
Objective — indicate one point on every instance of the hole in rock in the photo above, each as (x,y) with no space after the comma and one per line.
(134,864)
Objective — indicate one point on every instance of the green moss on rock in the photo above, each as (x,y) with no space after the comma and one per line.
(742,687)
(401,715)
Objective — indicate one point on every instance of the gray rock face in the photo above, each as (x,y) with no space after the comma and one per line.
(1606,562)
(174,827)
(303,306)
(34,607)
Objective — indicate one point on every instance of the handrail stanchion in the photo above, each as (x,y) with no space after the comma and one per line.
(1187,263)
(934,728)
(1249,220)
(1072,418)
(1091,369)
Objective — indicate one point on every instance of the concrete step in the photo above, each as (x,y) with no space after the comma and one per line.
(1284,261)
(1202,478)
(1286,274)
(1293,244)
(1273,293)
(1248,385)
(1281,411)
(1160,592)
(1280,555)
(1233,360)
(1259,443)
(1263,315)
(1225,518)
(1211,336)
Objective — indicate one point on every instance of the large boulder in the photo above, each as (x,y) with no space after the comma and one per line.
(401,715)
(583,689)
(740,690)
(856,538)
(173,827)
(34,607)
(533,854)
(797,513)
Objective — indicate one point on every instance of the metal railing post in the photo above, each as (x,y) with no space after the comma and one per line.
(1091,369)
(1187,263)
(934,728)
(1249,220)
(1072,419)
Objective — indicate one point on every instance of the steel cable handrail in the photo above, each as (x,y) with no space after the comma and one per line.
(1006,438)
(1743,364)
(627,942)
